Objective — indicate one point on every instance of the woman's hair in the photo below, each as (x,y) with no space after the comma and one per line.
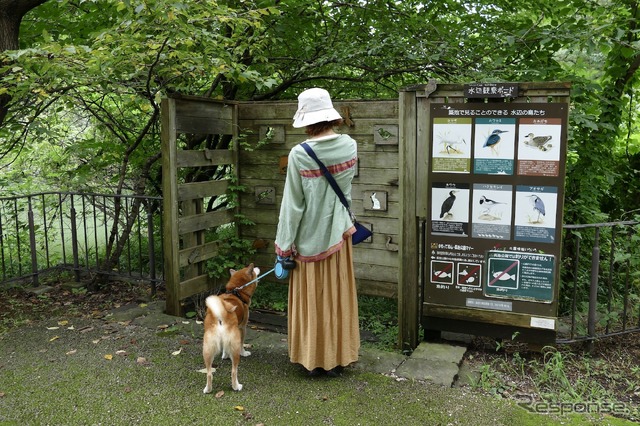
(317,128)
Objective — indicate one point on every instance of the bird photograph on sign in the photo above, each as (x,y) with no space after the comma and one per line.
(450,204)
(451,144)
(495,139)
(492,206)
(543,143)
(536,209)
(539,141)
(447,205)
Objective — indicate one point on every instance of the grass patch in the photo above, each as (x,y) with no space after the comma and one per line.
(378,315)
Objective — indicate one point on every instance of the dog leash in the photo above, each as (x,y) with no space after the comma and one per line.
(254,280)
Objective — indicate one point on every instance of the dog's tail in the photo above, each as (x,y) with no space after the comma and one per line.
(216,306)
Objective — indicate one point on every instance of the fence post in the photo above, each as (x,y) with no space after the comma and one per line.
(74,241)
(593,289)
(32,246)
(152,254)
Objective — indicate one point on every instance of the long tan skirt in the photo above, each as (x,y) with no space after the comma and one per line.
(323,312)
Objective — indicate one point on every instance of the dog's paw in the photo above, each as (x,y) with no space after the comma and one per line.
(224,355)
(238,387)
(245,353)
(206,389)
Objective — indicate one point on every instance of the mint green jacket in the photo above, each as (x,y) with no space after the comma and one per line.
(313,223)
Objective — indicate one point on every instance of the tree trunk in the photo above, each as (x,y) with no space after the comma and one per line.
(11,13)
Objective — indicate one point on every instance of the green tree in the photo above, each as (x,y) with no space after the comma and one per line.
(87,77)
(105,79)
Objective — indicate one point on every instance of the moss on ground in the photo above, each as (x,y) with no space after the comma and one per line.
(92,372)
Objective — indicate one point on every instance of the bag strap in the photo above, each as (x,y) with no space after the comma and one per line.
(329,177)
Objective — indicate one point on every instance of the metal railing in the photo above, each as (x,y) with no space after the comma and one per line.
(600,291)
(600,270)
(80,233)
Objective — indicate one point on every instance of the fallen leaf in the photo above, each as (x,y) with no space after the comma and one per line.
(247,416)
(238,408)
(184,342)
(54,338)
(108,357)
(220,394)
(121,352)
(142,360)
(72,352)
(186,322)
(95,342)
(174,353)
(85,329)
(143,305)
(70,328)
(198,322)
(2,394)
(163,326)
(63,323)
(53,328)
(127,389)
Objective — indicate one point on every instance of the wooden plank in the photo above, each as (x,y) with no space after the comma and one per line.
(378,256)
(376,272)
(189,191)
(203,125)
(284,110)
(265,227)
(199,253)
(203,221)
(209,157)
(377,288)
(479,315)
(408,282)
(198,107)
(423,138)
(170,206)
(196,285)
(192,208)
(204,117)
(368,159)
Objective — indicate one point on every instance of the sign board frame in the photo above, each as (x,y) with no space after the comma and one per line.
(495,191)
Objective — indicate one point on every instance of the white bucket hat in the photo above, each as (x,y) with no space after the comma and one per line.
(314,106)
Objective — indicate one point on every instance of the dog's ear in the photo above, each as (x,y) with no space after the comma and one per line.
(250,270)
(232,271)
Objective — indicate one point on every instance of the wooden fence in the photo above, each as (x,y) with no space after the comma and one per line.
(375,193)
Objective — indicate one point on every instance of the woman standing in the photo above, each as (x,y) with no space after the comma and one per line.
(315,229)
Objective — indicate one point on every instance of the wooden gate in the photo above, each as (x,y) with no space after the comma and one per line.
(435,295)
(189,127)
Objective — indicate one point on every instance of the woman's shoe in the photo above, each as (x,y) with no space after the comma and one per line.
(317,372)
(335,371)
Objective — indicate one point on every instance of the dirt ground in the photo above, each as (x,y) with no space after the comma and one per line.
(610,372)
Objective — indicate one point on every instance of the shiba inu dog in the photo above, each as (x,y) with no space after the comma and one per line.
(226,321)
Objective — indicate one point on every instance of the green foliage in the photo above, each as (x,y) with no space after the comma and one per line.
(271,296)
(379,316)
(233,251)
(85,85)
